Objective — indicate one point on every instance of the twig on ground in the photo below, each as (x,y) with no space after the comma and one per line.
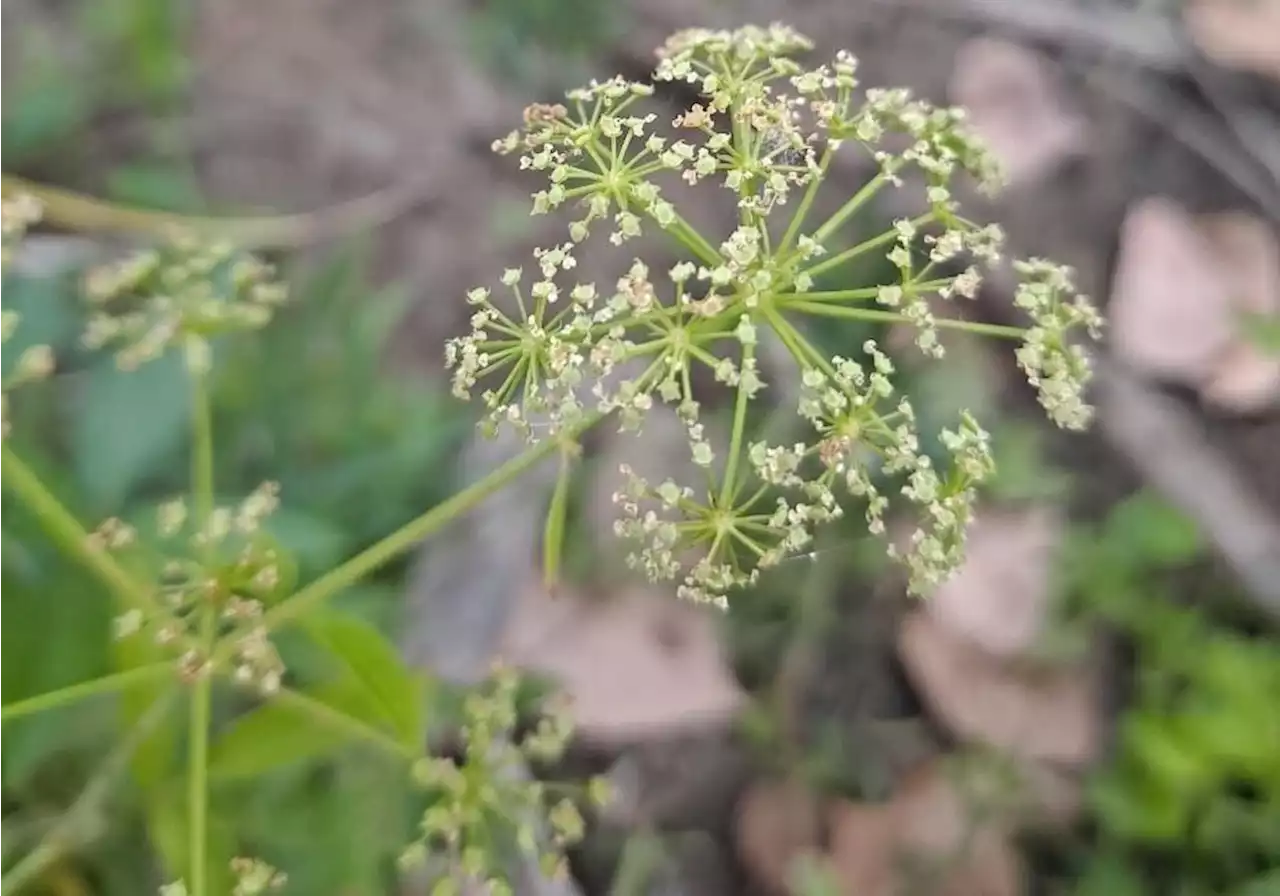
(85,214)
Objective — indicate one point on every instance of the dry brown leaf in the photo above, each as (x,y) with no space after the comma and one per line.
(1049,715)
(863,846)
(1241,34)
(1249,256)
(777,824)
(635,666)
(1170,313)
(928,833)
(1013,104)
(1000,596)
(1245,380)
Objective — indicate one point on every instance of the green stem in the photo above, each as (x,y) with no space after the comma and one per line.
(801,349)
(105,685)
(340,721)
(862,293)
(68,534)
(198,780)
(857,201)
(202,691)
(201,448)
(875,314)
(693,241)
(739,425)
(75,828)
(802,211)
(412,533)
(862,248)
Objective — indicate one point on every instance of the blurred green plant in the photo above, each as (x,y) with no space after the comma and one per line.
(357,448)
(540,41)
(92,60)
(1190,801)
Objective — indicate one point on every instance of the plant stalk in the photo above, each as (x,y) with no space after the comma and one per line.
(409,535)
(74,829)
(66,532)
(202,691)
(105,685)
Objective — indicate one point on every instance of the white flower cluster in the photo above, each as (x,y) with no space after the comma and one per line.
(253,877)
(17,214)
(36,361)
(1057,367)
(765,129)
(480,810)
(227,561)
(177,296)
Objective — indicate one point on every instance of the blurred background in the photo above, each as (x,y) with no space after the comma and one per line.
(1089,708)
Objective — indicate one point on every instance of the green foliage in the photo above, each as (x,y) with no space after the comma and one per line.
(112,460)
(280,733)
(312,398)
(45,105)
(1191,799)
(147,37)
(521,39)
(386,692)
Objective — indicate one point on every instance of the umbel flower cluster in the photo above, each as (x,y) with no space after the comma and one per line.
(484,814)
(564,352)
(179,295)
(36,361)
(227,562)
(253,877)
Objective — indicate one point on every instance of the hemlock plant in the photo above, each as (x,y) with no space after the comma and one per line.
(200,608)
(767,131)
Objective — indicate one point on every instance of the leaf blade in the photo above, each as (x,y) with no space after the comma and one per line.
(393,694)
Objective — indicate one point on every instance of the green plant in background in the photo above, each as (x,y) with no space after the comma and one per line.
(209,612)
(277,402)
(120,60)
(511,37)
(1191,798)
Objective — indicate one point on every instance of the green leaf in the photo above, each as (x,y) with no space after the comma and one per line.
(1110,875)
(153,761)
(55,634)
(1131,805)
(167,188)
(1165,755)
(1263,330)
(42,115)
(277,734)
(129,424)
(49,316)
(1153,531)
(167,823)
(392,692)
(1265,884)
(318,544)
